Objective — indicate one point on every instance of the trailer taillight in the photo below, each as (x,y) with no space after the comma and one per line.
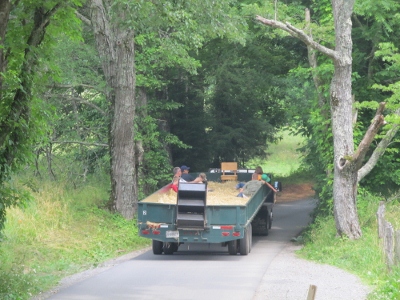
(236,233)
(156,232)
(225,233)
(145,231)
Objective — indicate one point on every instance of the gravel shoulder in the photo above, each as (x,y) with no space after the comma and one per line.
(289,278)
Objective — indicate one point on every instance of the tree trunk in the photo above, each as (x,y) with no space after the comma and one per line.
(5,8)
(345,169)
(115,45)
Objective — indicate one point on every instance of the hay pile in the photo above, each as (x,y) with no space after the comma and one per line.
(217,194)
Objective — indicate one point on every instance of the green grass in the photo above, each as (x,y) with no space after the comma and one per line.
(283,159)
(60,232)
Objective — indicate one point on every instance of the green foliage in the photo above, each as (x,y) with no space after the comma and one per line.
(236,103)
(21,123)
(311,118)
(384,12)
(385,177)
(156,168)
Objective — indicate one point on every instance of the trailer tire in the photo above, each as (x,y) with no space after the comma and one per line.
(157,247)
(232,247)
(244,243)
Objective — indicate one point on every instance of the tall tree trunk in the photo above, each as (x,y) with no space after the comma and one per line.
(115,45)
(345,169)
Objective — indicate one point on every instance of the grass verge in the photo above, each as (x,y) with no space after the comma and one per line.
(364,257)
(60,232)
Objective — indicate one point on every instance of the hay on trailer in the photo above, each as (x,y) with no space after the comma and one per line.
(218,193)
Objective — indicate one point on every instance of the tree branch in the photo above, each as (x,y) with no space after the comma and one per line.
(301,35)
(68,86)
(80,143)
(83,18)
(379,151)
(369,136)
(88,103)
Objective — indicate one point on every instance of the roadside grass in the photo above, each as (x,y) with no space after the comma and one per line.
(364,257)
(58,233)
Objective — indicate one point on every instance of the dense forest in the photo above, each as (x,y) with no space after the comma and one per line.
(133,88)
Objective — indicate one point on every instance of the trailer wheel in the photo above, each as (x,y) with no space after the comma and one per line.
(157,247)
(244,243)
(232,247)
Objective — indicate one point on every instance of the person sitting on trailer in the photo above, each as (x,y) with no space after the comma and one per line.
(249,188)
(178,172)
(266,180)
(252,186)
(185,173)
(202,178)
(259,171)
(174,184)
(175,180)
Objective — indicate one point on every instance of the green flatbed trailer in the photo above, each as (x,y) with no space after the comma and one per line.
(192,220)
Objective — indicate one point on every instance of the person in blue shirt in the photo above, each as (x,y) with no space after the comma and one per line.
(185,174)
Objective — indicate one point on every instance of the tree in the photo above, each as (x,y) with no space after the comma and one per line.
(23,29)
(347,161)
(115,45)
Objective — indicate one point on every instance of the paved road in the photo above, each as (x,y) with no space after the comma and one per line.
(196,271)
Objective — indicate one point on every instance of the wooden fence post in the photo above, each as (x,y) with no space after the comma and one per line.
(311,292)
(397,247)
(388,244)
(380,215)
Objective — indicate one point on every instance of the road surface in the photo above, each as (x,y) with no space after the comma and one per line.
(196,271)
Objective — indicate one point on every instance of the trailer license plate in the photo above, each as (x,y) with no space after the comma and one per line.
(172,234)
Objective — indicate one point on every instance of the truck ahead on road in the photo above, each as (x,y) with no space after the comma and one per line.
(192,220)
